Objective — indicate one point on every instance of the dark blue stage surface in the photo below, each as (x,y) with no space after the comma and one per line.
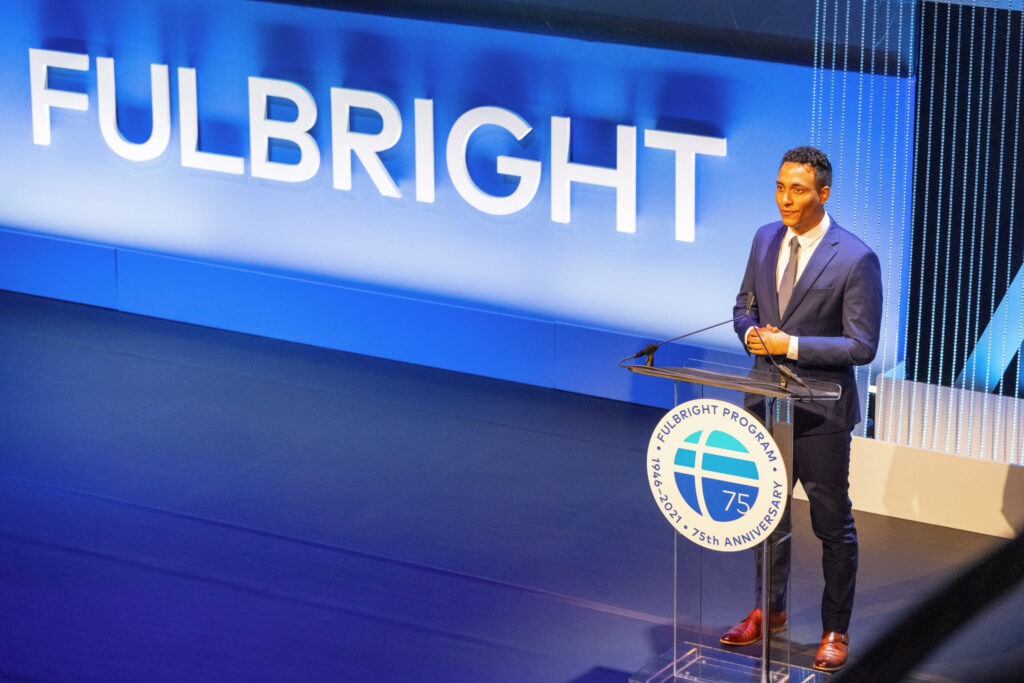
(180,503)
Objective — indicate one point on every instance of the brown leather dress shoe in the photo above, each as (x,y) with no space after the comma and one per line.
(832,652)
(749,630)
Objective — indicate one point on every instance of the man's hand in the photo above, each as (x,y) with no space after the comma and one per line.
(772,341)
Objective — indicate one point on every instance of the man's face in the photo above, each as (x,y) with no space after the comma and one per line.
(801,204)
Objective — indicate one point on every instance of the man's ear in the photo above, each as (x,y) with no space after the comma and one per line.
(823,193)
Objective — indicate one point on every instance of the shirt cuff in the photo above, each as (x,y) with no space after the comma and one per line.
(746,338)
(794,348)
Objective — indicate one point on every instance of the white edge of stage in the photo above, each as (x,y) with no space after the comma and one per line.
(938,488)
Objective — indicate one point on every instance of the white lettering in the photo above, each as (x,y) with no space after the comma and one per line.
(262,129)
(423,120)
(622,177)
(44,97)
(526,170)
(686,148)
(160,99)
(188,119)
(367,146)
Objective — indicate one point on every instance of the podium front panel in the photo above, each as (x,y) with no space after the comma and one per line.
(713,590)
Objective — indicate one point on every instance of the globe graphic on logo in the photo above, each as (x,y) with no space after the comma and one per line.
(715,475)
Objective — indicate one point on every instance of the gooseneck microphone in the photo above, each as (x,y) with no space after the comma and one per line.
(786,374)
(651,348)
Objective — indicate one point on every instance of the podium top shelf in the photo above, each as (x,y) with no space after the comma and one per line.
(747,381)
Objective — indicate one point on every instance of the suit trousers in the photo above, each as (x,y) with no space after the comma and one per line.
(821,462)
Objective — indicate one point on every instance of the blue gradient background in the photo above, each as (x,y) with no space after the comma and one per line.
(583,273)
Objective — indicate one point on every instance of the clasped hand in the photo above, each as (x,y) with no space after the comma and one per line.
(772,341)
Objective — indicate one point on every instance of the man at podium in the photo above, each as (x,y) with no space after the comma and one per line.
(814,296)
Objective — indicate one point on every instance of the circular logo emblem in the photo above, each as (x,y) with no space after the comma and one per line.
(717,474)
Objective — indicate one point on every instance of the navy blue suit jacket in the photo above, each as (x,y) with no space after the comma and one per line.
(835,310)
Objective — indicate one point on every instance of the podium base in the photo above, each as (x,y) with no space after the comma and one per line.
(693,662)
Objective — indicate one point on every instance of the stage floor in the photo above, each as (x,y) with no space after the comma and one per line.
(180,503)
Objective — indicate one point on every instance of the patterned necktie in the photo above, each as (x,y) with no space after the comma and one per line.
(789,277)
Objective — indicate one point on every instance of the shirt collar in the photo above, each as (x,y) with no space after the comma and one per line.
(811,236)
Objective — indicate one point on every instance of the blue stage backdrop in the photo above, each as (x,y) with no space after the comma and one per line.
(519,206)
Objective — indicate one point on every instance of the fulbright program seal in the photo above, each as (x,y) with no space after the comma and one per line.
(717,474)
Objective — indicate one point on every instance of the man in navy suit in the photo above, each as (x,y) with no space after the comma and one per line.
(816,308)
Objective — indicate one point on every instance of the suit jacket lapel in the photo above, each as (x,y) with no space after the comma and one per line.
(767,283)
(821,257)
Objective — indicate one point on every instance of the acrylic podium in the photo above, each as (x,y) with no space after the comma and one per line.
(696,653)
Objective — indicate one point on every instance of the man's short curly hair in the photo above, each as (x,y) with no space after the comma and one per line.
(815,158)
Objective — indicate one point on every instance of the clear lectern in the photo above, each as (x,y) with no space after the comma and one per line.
(699,596)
